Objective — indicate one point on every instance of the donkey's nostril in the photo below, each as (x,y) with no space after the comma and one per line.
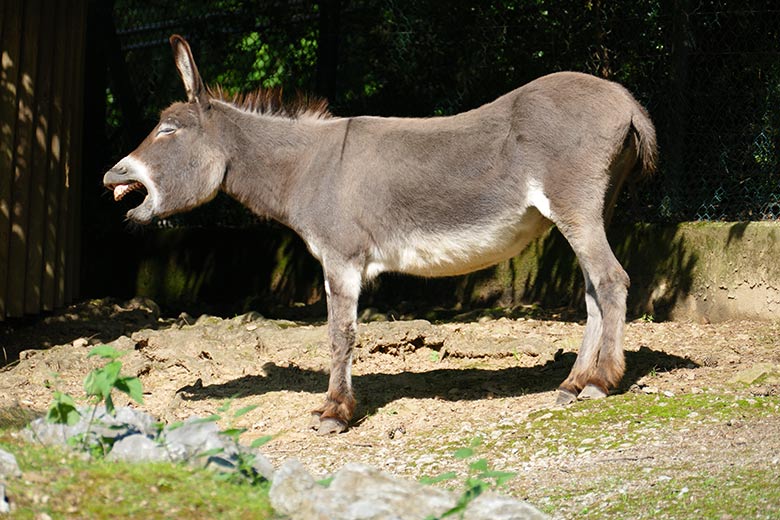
(119,169)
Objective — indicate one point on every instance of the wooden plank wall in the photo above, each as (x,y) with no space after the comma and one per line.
(41,107)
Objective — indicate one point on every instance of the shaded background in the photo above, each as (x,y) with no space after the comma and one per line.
(708,72)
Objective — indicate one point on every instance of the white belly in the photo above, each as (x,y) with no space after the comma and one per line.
(457,252)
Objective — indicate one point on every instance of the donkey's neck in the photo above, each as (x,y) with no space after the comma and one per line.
(267,155)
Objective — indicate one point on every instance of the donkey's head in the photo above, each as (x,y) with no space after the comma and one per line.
(180,164)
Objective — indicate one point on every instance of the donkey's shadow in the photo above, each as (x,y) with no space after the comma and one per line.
(377,390)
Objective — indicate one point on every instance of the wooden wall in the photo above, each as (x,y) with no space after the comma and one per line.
(41,106)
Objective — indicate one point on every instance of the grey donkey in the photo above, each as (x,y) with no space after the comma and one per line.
(437,196)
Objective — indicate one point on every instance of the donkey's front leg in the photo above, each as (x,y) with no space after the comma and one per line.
(342,288)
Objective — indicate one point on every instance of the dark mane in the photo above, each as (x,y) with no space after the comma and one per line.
(272,102)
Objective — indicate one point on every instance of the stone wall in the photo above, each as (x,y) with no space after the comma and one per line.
(697,271)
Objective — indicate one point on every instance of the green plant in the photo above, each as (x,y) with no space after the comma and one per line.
(480,478)
(99,386)
(101,382)
(245,471)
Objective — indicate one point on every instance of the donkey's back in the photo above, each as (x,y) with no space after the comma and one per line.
(450,195)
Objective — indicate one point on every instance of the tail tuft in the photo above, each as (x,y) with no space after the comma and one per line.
(646,142)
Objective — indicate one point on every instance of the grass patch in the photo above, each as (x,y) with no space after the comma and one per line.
(65,485)
(622,420)
(707,487)
(734,493)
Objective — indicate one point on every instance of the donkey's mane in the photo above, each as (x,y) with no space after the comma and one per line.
(272,102)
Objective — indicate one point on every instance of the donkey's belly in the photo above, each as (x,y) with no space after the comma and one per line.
(457,251)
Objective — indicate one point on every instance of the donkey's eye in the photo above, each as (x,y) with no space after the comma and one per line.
(166,130)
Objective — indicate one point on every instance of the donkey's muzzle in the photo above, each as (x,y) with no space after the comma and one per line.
(117,180)
(118,169)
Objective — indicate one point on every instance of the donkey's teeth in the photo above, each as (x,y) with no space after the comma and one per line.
(120,191)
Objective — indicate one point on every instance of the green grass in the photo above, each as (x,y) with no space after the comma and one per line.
(678,489)
(623,419)
(699,494)
(64,485)
(736,492)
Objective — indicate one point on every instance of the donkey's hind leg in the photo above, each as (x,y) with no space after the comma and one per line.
(588,353)
(600,363)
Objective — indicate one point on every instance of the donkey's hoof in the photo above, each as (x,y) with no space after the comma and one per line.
(330,426)
(592,392)
(565,397)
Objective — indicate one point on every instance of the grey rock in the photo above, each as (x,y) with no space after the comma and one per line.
(359,492)
(137,448)
(295,493)
(8,468)
(127,421)
(141,421)
(5,507)
(497,507)
(134,436)
(356,492)
(196,437)
(262,465)
(200,442)
(8,465)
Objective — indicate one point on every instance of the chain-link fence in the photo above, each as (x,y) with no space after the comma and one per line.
(708,72)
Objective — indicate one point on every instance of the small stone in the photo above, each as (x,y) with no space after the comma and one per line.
(5,507)
(80,343)
(249,317)
(749,376)
(263,466)
(184,319)
(8,465)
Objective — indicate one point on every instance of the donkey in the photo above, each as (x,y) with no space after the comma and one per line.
(438,196)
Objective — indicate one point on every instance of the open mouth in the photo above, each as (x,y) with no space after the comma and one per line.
(136,190)
(134,197)
(132,189)
(122,190)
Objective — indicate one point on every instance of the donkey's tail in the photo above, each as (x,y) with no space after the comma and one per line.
(646,144)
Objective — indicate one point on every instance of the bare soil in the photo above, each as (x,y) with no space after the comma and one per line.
(425,389)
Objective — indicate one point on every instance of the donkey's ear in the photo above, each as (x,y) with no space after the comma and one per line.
(185,64)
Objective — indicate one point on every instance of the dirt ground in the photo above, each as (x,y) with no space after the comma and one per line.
(423,389)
